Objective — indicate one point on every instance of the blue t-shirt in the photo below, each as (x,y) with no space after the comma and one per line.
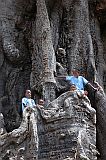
(79,81)
(28,102)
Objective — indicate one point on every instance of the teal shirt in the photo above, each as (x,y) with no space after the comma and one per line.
(28,102)
(79,81)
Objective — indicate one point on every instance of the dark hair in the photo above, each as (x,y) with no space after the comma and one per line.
(72,85)
(27,90)
(76,69)
(41,101)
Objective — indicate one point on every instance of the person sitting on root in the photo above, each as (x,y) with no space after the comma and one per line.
(27,101)
(78,81)
(85,102)
(74,88)
(40,104)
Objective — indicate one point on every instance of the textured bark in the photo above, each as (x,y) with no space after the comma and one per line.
(31,33)
(64,130)
(24,140)
(15,63)
(43,48)
(100,98)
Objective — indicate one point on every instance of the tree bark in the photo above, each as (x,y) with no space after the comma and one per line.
(31,33)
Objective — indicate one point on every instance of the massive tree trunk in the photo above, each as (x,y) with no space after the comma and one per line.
(44,68)
(31,33)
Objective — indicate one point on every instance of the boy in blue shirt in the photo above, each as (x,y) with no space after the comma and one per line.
(27,101)
(78,81)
